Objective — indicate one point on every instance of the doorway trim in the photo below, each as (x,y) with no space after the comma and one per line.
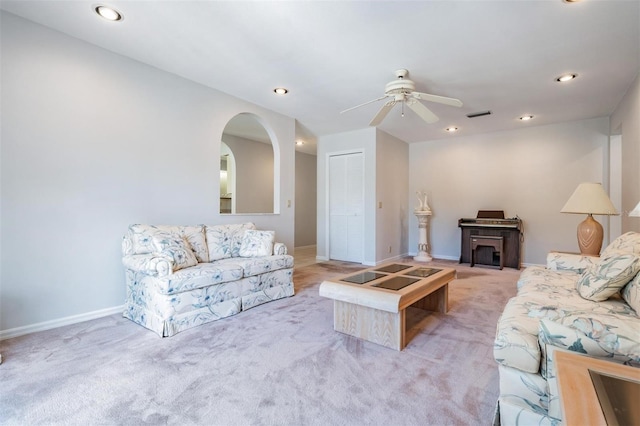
(327,196)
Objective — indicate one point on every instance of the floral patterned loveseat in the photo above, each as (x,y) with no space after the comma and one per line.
(585,304)
(178,277)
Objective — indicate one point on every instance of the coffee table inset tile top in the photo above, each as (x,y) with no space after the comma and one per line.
(363,277)
(396,283)
(393,268)
(423,272)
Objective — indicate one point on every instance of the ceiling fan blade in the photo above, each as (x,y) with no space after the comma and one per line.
(366,103)
(382,113)
(424,112)
(439,99)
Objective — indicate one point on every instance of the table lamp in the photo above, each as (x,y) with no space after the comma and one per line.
(636,211)
(589,199)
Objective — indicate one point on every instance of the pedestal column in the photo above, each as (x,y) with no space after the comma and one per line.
(423,236)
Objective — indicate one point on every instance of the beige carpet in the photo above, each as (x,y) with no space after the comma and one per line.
(277,364)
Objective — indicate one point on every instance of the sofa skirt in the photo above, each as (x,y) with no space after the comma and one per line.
(167,315)
(270,286)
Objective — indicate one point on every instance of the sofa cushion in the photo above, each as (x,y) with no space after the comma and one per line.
(631,293)
(140,239)
(198,276)
(224,241)
(252,266)
(578,263)
(256,243)
(176,248)
(608,276)
(538,279)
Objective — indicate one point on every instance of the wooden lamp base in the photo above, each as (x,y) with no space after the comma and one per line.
(590,236)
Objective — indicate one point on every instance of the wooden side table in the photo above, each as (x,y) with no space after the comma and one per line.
(580,403)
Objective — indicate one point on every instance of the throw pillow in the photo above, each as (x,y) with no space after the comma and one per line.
(608,276)
(256,243)
(196,238)
(631,293)
(237,234)
(175,248)
(628,242)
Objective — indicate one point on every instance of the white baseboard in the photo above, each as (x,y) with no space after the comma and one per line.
(60,322)
(437,256)
(390,259)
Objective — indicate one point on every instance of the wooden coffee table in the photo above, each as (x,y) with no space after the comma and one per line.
(371,304)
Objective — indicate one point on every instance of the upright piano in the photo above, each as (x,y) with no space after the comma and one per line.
(492,223)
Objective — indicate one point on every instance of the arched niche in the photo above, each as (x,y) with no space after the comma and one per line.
(250,154)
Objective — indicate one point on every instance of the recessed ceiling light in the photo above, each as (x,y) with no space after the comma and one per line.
(108,13)
(526,117)
(451,129)
(280,91)
(566,77)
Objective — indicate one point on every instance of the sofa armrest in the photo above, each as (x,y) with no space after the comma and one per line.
(279,248)
(150,264)
(562,261)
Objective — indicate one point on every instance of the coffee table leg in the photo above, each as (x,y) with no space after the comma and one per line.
(436,301)
(381,327)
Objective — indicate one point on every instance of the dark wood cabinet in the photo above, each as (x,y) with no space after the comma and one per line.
(509,229)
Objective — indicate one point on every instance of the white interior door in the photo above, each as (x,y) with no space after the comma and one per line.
(346,207)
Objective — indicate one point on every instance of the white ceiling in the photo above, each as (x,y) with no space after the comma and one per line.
(501,56)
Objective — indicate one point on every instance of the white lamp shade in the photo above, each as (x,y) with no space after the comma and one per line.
(589,198)
(636,211)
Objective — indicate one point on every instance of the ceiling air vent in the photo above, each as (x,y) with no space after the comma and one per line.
(478,114)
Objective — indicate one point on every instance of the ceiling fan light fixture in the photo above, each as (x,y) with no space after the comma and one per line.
(566,77)
(402,90)
(108,13)
(280,91)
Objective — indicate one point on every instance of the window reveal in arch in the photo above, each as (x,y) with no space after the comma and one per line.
(250,176)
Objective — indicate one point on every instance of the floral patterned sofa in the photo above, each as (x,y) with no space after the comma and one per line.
(178,277)
(586,304)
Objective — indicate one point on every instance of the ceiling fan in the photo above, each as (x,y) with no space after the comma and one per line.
(403,91)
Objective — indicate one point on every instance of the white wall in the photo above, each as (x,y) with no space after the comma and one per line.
(92,142)
(625,121)
(306,199)
(392,183)
(529,173)
(364,141)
